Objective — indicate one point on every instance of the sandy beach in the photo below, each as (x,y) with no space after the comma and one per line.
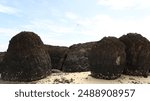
(83,78)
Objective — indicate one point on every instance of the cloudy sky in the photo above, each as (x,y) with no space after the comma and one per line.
(66,22)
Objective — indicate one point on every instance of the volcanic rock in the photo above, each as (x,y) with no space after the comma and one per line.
(26,58)
(57,54)
(137,54)
(77,58)
(107,58)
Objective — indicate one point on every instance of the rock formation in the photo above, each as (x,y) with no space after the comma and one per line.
(137,54)
(26,58)
(57,55)
(107,58)
(77,58)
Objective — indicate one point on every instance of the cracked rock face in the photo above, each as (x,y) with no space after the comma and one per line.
(76,59)
(137,54)
(107,58)
(26,58)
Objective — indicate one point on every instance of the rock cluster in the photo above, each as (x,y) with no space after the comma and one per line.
(107,58)
(26,58)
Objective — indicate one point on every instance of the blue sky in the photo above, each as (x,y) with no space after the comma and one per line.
(67,22)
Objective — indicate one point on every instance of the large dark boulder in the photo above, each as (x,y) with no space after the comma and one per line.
(107,58)
(137,54)
(76,59)
(57,54)
(26,58)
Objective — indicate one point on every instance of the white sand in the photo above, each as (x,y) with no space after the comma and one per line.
(84,78)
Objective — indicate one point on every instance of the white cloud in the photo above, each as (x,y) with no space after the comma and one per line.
(49,26)
(55,12)
(125,4)
(7,9)
(51,32)
(71,15)
(103,25)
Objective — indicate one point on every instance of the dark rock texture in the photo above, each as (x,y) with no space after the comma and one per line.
(77,58)
(107,58)
(2,54)
(26,58)
(57,54)
(137,54)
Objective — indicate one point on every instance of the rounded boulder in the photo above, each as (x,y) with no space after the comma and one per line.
(26,58)
(107,58)
(137,54)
